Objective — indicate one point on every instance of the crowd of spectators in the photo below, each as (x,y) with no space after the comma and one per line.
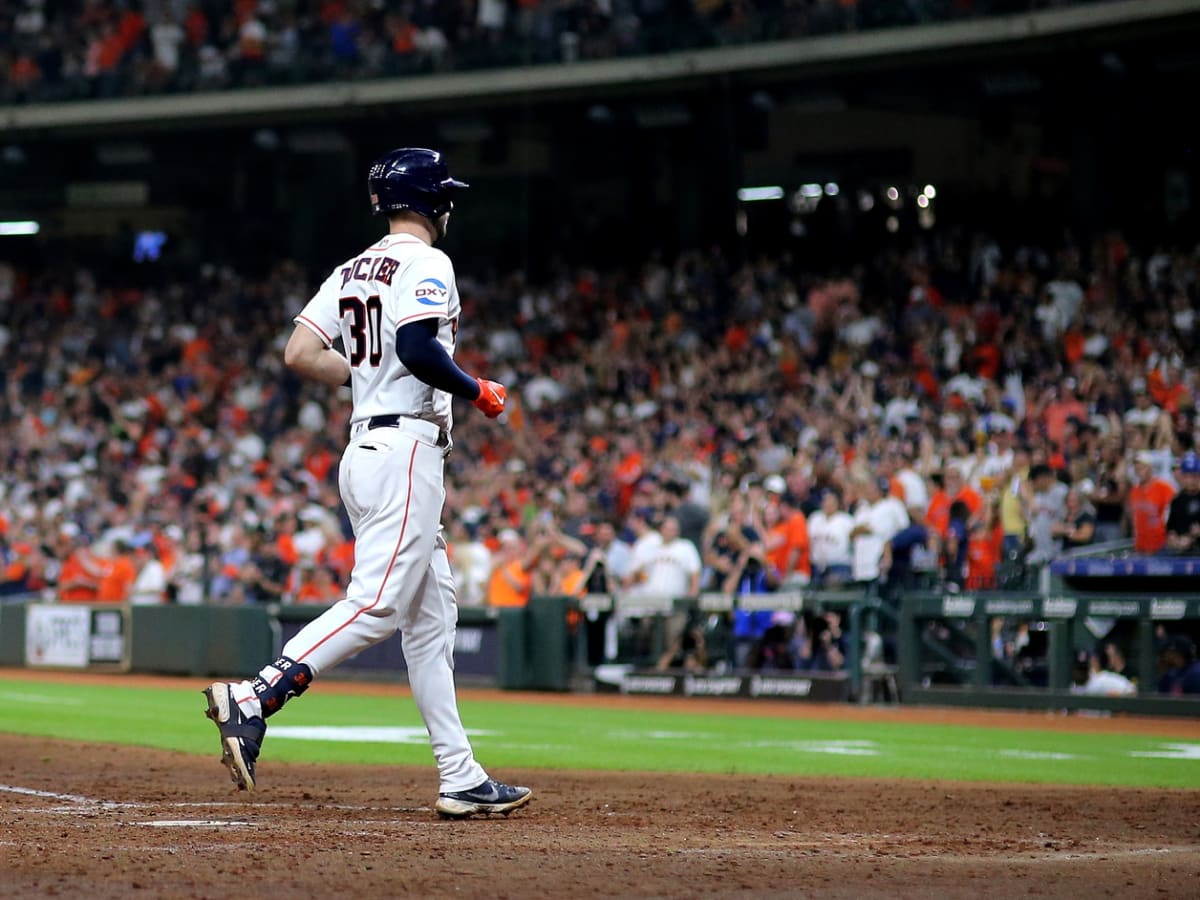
(107,48)
(943,415)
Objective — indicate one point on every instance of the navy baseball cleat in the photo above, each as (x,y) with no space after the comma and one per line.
(489,797)
(241,737)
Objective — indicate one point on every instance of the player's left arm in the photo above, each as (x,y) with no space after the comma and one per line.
(307,355)
(418,347)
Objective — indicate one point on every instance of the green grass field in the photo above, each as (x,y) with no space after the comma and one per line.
(373,730)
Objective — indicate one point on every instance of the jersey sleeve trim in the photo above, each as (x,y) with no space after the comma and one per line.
(315,328)
(432,314)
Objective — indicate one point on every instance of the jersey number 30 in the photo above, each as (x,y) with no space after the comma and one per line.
(366,322)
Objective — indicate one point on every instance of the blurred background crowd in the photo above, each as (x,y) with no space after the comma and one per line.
(955,415)
(110,48)
(835,389)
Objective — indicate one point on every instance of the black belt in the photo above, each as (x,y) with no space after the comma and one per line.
(394,421)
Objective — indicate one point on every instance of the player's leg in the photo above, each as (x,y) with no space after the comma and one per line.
(392,491)
(427,631)
(427,635)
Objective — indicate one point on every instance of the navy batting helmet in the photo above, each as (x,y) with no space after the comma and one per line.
(411,178)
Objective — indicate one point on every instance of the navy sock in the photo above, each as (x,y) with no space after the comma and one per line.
(294,679)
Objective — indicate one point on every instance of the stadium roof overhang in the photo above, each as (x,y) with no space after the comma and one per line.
(975,40)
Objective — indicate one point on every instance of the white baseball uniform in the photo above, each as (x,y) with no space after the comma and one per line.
(390,480)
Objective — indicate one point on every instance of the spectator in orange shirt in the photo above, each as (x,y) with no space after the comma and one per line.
(627,472)
(937,514)
(24,73)
(571,579)
(286,527)
(317,585)
(79,577)
(511,581)
(787,535)
(1149,503)
(958,489)
(119,574)
(340,558)
(1063,406)
(573,574)
(982,557)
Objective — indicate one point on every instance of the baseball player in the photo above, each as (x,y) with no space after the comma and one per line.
(396,308)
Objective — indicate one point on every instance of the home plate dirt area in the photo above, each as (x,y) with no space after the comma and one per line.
(82,820)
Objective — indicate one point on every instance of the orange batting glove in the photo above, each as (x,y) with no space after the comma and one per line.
(491,398)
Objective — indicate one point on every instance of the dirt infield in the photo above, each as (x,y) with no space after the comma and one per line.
(104,821)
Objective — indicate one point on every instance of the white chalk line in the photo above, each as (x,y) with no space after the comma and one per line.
(47,795)
(193,823)
(250,805)
(40,699)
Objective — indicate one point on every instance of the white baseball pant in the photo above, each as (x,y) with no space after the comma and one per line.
(391,484)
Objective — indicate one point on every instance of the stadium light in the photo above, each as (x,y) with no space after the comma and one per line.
(930,191)
(750,194)
(11,229)
(810,190)
(922,200)
(831,189)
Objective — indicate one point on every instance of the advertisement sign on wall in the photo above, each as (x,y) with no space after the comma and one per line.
(57,635)
(73,636)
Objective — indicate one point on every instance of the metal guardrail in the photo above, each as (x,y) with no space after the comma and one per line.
(856,607)
(969,658)
(1062,617)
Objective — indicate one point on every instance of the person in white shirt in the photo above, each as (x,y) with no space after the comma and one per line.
(150,585)
(668,568)
(1089,678)
(646,541)
(166,37)
(472,566)
(878,519)
(829,540)
(916,492)
(1143,413)
(188,575)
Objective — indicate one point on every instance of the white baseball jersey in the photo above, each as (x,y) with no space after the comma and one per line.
(885,518)
(669,568)
(829,539)
(399,279)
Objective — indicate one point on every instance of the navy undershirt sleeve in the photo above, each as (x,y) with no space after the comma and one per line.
(418,348)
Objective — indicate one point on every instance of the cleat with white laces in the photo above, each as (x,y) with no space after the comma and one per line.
(241,736)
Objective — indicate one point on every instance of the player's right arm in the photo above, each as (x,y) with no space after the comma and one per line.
(307,355)
(309,351)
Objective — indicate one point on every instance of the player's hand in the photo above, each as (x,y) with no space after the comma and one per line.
(491,398)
